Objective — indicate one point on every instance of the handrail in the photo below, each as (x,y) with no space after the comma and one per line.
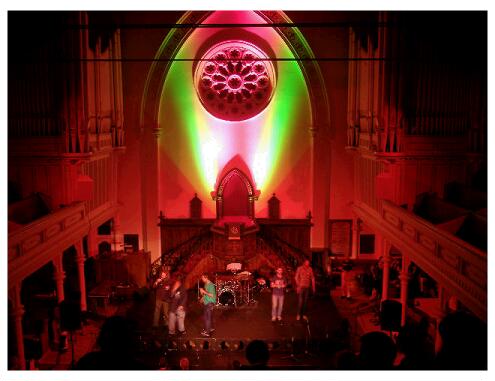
(175,254)
(44,230)
(32,246)
(297,255)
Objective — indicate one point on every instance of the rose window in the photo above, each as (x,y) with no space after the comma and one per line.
(235,80)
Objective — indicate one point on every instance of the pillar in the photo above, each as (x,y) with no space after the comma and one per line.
(385,247)
(59,276)
(149,157)
(251,207)
(219,207)
(17,315)
(320,171)
(404,280)
(355,237)
(80,272)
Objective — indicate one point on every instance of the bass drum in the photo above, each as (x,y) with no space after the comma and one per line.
(226,297)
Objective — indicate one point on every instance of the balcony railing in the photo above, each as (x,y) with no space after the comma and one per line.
(455,264)
(33,245)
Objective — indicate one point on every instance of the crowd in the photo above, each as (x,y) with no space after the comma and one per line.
(463,347)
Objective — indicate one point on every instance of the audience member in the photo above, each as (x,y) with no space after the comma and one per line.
(414,344)
(346,360)
(464,343)
(117,343)
(377,351)
(257,354)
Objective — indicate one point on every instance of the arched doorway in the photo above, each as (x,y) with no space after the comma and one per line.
(235,196)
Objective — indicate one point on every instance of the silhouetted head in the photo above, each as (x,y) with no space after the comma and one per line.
(117,336)
(464,342)
(257,352)
(411,339)
(377,351)
(347,360)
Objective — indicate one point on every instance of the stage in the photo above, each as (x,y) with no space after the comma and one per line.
(292,343)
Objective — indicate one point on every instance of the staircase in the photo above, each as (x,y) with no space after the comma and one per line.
(186,258)
(183,257)
(279,252)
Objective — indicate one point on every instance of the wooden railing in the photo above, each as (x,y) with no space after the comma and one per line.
(34,245)
(178,255)
(291,255)
(456,265)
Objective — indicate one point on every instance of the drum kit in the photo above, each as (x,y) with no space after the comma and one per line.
(234,290)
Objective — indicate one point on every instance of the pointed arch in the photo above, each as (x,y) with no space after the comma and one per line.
(294,39)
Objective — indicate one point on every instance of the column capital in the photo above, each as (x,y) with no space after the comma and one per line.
(58,263)
(313,130)
(18,312)
(404,277)
(59,276)
(157,131)
(80,259)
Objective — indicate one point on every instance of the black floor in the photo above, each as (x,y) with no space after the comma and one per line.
(292,343)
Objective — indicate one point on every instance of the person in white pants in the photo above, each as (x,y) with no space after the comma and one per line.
(177,310)
(278,284)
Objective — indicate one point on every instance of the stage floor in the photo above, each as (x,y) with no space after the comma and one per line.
(292,343)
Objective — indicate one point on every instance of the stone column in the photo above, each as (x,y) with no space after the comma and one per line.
(355,237)
(404,280)
(219,207)
(59,276)
(80,272)
(385,246)
(320,172)
(17,315)
(251,207)
(149,156)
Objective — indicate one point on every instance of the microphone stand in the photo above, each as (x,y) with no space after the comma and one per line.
(292,355)
(308,339)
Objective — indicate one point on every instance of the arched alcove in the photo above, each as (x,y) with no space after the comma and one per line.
(281,155)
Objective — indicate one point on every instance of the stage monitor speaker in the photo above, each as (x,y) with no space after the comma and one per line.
(70,316)
(390,315)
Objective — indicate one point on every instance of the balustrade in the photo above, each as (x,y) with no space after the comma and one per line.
(453,263)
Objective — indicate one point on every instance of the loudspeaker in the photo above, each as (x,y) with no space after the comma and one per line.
(70,316)
(390,315)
